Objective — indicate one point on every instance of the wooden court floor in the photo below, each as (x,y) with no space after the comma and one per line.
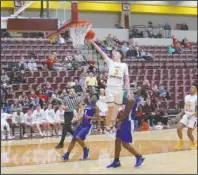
(39,155)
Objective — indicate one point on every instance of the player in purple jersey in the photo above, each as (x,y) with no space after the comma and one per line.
(124,134)
(91,112)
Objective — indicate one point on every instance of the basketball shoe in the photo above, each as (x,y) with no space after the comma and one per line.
(114,164)
(193,145)
(85,153)
(180,144)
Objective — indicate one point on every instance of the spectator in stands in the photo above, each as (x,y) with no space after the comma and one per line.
(56,99)
(23,99)
(177,48)
(16,105)
(124,48)
(63,94)
(50,61)
(91,64)
(185,42)
(162,91)
(101,82)
(42,98)
(61,39)
(71,82)
(137,52)
(77,87)
(174,41)
(146,55)
(79,58)
(18,120)
(5,125)
(23,65)
(48,89)
(33,98)
(91,80)
(184,26)
(167,29)
(4,77)
(131,52)
(32,66)
(171,49)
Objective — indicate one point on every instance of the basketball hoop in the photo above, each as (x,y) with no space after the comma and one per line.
(78,31)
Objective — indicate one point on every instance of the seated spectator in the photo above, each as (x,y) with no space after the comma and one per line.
(54,40)
(171,49)
(137,52)
(32,66)
(184,26)
(4,77)
(71,82)
(77,87)
(48,89)
(174,41)
(79,58)
(91,64)
(146,55)
(23,99)
(61,39)
(178,48)
(18,120)
(23,65)
(16,105)
(131,52)
(101,82)
(33,98)
(63,94)
(56,99)
(42,98)
(124,48)
(185,42)
(162,91)
(50,62)
(5,125)
(91,80)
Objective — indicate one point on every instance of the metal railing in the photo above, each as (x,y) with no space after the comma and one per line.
(149,31)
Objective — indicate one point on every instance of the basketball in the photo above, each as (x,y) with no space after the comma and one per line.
(90,34)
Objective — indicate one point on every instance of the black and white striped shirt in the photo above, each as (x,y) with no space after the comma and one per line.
(71,102)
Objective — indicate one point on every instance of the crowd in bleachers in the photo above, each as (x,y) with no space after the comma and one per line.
(34,81)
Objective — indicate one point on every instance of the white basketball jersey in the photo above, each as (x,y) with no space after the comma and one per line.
(116,73)
(39,115)
(190,104)
(50,114)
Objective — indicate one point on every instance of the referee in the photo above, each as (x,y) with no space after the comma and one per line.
(70,102)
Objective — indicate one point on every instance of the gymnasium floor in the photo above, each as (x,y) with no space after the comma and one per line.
(39,156)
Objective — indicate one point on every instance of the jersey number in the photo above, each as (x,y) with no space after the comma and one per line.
(116,71)
(187,107)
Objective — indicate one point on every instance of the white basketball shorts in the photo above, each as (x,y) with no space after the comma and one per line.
(190,123)
(114,95)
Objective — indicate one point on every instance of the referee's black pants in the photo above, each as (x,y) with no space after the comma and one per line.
(68,116)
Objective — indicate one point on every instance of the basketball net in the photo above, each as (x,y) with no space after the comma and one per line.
(78,33)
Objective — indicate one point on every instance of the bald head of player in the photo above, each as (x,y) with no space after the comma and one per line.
(193,89)
(117,55)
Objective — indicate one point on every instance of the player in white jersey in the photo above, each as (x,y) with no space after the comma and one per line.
(117,74)
(51,119)
(29,121)
(189,118)
(60,118)
(39,120)
(4,124)
(18,120)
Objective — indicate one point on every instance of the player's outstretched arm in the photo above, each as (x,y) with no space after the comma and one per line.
(103,54)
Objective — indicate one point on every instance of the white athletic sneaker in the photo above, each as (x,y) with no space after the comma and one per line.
(9,137)
(25,136)
(41,134)
(54,133)
(48,134)
(3,137)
